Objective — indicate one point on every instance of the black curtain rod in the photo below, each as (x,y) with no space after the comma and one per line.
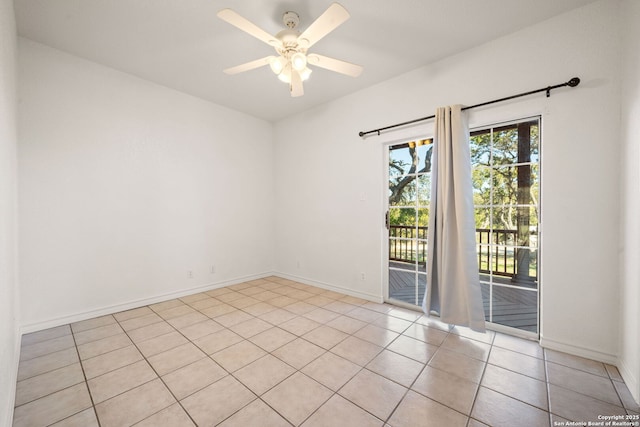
(572,83)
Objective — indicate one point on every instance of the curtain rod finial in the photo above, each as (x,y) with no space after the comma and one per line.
(574,82)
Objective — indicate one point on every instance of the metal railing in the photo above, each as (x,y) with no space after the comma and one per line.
(496,249)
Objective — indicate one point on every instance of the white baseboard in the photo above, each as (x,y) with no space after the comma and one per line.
(102,311)
(329,287)
(630,380)
(575,350)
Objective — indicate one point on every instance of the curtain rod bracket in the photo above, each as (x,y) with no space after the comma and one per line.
(548,91)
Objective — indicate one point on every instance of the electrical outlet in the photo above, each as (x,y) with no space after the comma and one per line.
(362,277)
(213,269)
(189,274)
(298,264)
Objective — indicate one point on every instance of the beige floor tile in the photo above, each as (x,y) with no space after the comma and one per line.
(282,301)
(301,294)
(299,325)
(426,334)
(259,309)
(134,405)
(220,291)
(205,303)
(217,341)
(139,322)
(92,323)
(175,358)
(364,314)
(41,385)
(241,303)
(165,305)
(272,338)
(347,324)
(300,307)
(105,345)
(218,310)
(380,308)
(298,353)
(108,362)
(353,300)
(233,318)
(626,397)
(468,347)
(52,408)
(307,393)
(521,387)
(238,355)
(446,388)
(458,364)
(188,299)
(214,403)
(230,296)
(130,314)
(119,381)
(177,311)
(97,333)
(433,322)
(403,313)
(373,393)
(476,423)
(338,411)
(486,337)
(518,362)
(415,410)
(321,315)
(255,414)
(264,373)
(392,323)
(331,371)
(376,335)
(172,416)
(265,295)
(45,335)
(396,367)
(48,362)
(251,327)
(319,300)
(277,316)
(338,306)
(187,320)
(162,343)
(251,290)
(613,372)
(325,336)
(583,382)
(415,349)
(201,329)
(193,377)
(41,348)
(86,418)
(530,348)
(356,350)
(496,409)
(150,331)
(576,362)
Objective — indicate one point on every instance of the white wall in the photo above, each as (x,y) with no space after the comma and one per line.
(323,169)
(125,186)
(9,335)
(630,212)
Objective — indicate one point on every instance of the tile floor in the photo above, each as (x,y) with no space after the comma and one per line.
(273,352)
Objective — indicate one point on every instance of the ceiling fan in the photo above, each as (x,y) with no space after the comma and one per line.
(291,64)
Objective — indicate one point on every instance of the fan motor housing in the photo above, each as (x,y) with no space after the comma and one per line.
(291,19)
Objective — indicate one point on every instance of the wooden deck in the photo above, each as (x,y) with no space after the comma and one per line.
(516,308)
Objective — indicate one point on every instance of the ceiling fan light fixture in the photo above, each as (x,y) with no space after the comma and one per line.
(285,75)
(277,64)
(299,61)
(305,73)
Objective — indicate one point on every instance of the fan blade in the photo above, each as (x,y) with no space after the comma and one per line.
(327,22)
(296,84)
(247,26)
(336,65)
(249,65)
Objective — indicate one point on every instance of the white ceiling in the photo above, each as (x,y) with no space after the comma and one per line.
(181,44)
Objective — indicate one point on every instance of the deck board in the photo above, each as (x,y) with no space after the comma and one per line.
(513,307)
